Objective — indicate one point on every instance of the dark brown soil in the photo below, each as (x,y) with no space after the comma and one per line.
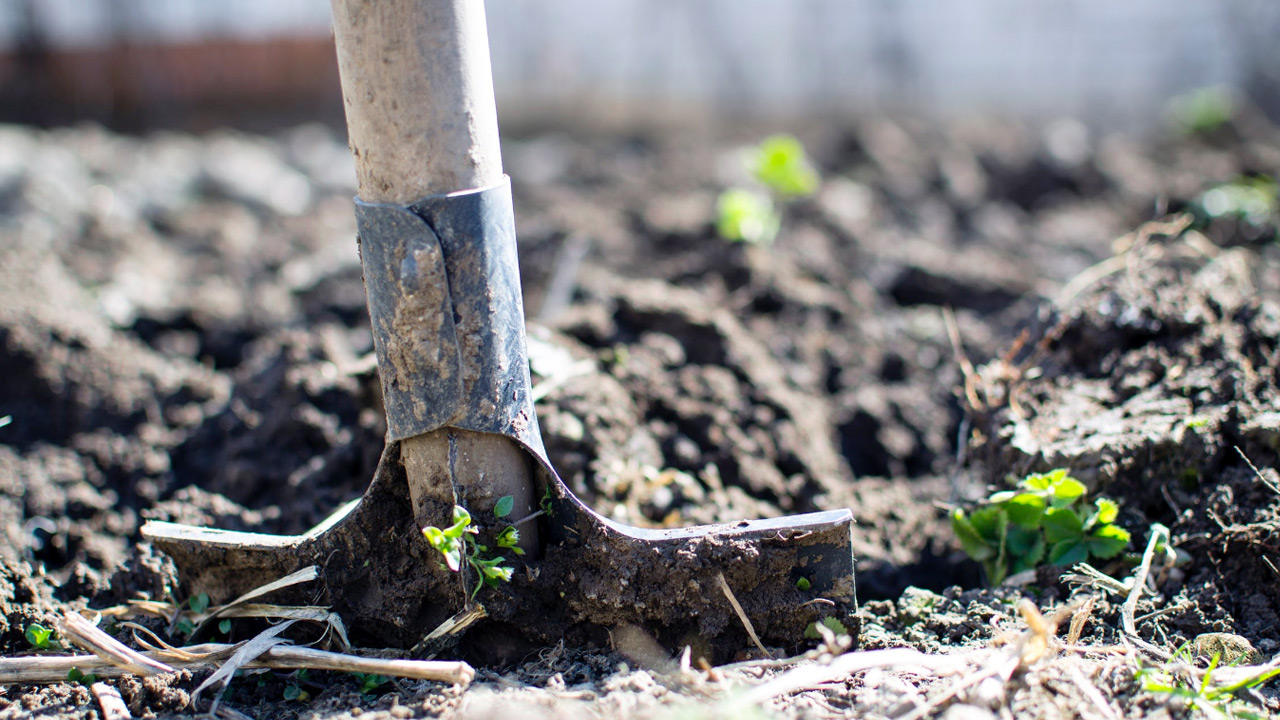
(183,337)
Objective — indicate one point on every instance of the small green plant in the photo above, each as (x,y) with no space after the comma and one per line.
(76,675)
(803,583)
(369,683)
(830,623)
(458,544)
(1203,110)
(1014,530)
(41,637)
(747,216)
(780,165)
(294,690)
(1211,697)
(1251,199)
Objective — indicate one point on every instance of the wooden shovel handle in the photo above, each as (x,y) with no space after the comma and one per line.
(421,120)
(418,92)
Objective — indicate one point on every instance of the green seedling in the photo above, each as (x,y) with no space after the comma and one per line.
(780,165)
(1213,698)
(1203,111)
(76,675)
(1251,199)
(369,683)
(294,690)
(830,623)
(1046,520)
(224,626)
(746,216)
(803,583)
(545,503)
(199,603)
(458,544)
(41,637)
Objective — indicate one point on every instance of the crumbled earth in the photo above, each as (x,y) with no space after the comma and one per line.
(183,337)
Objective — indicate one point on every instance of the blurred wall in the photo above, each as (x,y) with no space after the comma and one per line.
(1107,61)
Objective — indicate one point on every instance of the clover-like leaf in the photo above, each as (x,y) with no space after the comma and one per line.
(1108,541)
(504,506)
(1042,481)
(1062,524)
(1026,548)
(199,603)
(974,545)
(990,522)
(1025,510)
(1066,491)
(1106,513)
(1069,552)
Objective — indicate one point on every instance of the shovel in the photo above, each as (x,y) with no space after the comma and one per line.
(438,250)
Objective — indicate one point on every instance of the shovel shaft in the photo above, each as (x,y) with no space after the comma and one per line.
(418,94)
(421,121)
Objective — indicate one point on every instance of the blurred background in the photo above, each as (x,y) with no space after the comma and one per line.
(196,64)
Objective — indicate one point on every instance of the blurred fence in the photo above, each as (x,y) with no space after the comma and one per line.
(1110,62)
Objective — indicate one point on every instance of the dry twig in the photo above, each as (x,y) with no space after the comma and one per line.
(742,615)
(46,669)
(113,707)
(1158,532)
(76,628)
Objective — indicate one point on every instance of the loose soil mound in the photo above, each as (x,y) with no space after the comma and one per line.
(183,337)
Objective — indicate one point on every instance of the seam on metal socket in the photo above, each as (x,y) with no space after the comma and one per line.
(443,281)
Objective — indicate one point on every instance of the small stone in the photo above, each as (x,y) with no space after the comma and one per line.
(1232,649)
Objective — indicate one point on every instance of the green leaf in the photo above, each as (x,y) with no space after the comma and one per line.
(780,163)
(504,506)
(185,626)
(38,635)
(832,624)
(1026,547)
(1062,524)
(292,692)
(461,521)
(1106,513)
(803,583)
(746,216)
(1108,541)
(1043,481)
(435,536)
(1069,552)
(224,627)
(1002,496)
(199,603)
(990,522)
(1025,510)
(974,545)
(1066,491)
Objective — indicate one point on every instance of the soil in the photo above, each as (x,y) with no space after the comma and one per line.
(183,337)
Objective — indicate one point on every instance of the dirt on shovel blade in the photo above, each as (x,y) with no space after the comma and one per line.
(183,337)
